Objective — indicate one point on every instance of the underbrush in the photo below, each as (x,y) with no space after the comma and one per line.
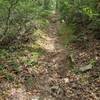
(66,33)
(12,63)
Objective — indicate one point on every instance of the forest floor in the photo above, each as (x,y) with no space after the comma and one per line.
(46,70)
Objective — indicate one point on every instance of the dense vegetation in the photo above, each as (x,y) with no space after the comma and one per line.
(81,14)
(17,16)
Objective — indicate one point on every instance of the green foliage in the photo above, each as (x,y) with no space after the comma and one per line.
(17,16)
(9,77)
(3,53)
(67,33)
(1,67)
(82,14)
(14,66)
(93,62)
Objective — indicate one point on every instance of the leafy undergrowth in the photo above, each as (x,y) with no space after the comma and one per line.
(66,33)
(13,61)
(14,64)
(84,52)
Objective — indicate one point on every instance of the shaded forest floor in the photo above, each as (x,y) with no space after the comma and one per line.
(47,70)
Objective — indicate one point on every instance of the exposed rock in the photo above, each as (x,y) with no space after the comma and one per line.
(86,68)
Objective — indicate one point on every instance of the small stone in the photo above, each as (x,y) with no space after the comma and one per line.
(86,68)
(35,98)
(66,80)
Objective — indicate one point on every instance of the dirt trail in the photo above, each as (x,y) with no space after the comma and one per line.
(55,64)
(54,81)
(52,70)
(56,55)
(57,81)
(49,39)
